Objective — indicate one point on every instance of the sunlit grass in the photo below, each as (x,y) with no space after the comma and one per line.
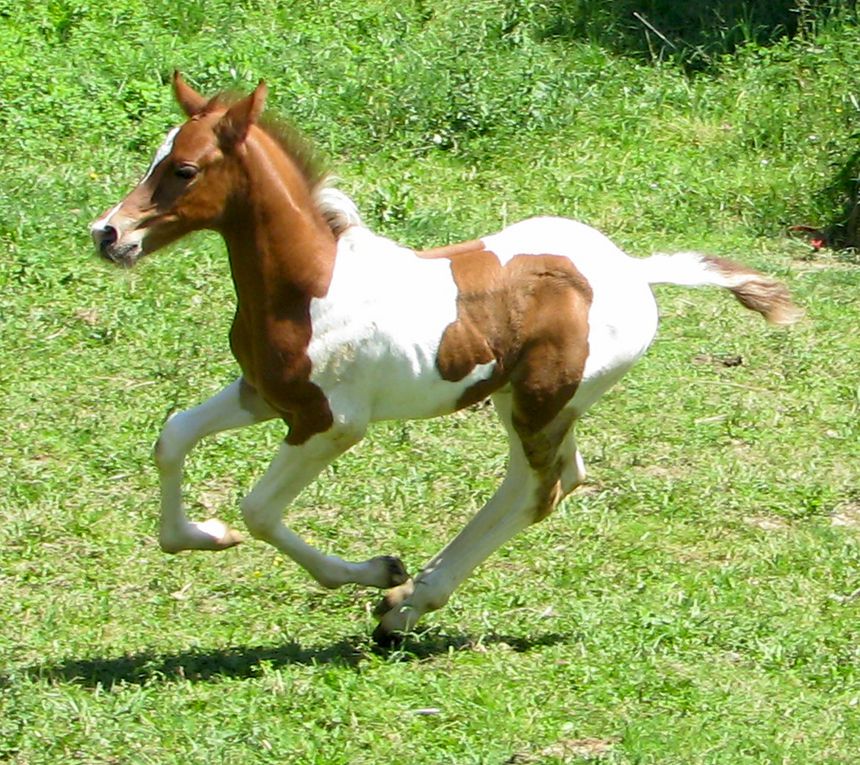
(695,602)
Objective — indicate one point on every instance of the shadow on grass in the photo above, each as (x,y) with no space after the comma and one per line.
(149,667)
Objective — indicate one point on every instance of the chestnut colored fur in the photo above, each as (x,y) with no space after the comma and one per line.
(530,317)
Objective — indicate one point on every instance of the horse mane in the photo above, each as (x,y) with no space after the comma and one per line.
(291,141)
(336,208)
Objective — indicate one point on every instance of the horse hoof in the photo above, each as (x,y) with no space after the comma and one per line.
(385,639)
(395,571)
(230,539)
(384,606)
(207,535)
(394,597)
(222,536)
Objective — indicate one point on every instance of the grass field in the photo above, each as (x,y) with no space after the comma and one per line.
(695,602)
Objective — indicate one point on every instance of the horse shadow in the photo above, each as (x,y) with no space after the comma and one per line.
(245,662)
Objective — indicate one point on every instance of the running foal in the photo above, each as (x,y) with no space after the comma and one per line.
(337,327)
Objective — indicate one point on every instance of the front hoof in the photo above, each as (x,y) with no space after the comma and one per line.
(208,535)
(220,535)
(393,598)
(230,539)
(398,622)
(395,571)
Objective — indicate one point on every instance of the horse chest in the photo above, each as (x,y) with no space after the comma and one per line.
(274,361)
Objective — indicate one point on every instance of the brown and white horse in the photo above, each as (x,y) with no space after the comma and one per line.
(336,327)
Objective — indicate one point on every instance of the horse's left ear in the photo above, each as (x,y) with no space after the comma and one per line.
(189,100)
(234,125)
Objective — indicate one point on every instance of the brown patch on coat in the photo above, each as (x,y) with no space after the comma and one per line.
(254,184)
(269,339)
(277,273)
(546,457)
(258,194)
(530,317)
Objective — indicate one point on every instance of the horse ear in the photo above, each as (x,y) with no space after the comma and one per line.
(234,125)
(188,99)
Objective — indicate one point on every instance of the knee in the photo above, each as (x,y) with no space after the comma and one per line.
(347,434)
(343,435)
(170,447)
(431,592)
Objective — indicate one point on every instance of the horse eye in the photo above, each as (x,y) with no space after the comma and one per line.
(187,172)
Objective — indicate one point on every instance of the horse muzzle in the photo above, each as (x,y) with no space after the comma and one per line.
(124,255)
(110,246)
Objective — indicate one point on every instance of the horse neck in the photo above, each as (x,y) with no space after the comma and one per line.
(281,251)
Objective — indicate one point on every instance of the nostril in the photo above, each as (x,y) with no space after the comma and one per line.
(107,235)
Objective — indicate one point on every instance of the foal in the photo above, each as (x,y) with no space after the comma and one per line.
(336,327)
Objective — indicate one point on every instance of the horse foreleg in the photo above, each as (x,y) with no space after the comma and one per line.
(236,406)
(293,468)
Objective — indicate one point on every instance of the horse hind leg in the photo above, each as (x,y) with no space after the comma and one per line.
(507,513)
(542,468)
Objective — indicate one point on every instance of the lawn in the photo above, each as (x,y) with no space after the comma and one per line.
(697,601)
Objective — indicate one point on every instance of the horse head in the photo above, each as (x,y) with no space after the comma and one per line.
(192,182)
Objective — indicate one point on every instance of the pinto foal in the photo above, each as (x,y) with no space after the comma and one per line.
(336,327)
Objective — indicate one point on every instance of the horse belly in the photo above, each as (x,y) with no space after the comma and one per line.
(425,395)
(389,379)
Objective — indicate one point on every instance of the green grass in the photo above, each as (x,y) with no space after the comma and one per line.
(689,605)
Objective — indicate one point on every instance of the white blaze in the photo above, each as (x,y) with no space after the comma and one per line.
(162,153)
(102,223)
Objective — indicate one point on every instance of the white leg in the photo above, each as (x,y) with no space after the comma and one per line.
(525,496)
(572,464)
(509,511)
(236,406)
(293,468)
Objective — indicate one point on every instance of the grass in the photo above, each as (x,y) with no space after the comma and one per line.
(692,604)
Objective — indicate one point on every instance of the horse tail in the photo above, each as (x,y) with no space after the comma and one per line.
(753,290)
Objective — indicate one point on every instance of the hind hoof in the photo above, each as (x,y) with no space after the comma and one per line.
(385,639)
(394,597)
(211,534)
